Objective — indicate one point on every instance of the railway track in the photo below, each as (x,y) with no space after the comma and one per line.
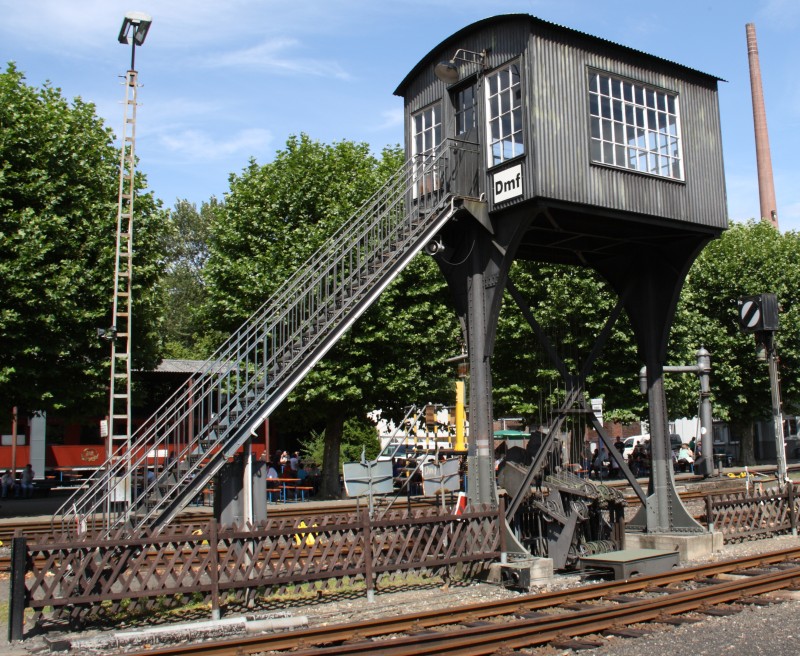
(565,619)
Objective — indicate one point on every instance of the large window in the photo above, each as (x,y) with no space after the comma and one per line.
(634,126)
(504,114)
(427,135)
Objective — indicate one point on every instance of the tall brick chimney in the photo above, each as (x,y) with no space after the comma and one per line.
(766,183)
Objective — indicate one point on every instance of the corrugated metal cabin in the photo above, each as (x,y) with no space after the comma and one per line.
(566,148)
(582,129)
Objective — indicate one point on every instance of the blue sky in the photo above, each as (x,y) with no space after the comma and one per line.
(226,81)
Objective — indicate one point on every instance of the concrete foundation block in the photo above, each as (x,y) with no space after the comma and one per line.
(523,574)
(691,546)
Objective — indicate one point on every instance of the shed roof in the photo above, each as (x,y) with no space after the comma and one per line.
(481,24)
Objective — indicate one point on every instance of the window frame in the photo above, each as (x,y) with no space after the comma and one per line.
(634,126)
(426,184)
(461,110)
(508,132)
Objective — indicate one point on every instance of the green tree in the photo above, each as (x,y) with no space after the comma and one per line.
(59,173)
(750,258)
(571,304)
(275,217)
(186,252)
(358,435)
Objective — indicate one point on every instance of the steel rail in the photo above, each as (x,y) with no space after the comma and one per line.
(415,622)
(519,633)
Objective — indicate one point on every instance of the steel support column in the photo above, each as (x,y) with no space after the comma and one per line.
(482,488)
(652,281)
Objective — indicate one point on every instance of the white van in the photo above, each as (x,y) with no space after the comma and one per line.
(631,442)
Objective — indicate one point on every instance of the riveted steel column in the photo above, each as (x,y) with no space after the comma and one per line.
(480,454)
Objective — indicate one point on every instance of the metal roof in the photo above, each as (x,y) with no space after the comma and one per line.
(481,24)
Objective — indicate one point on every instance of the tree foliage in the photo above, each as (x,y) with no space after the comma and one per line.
(748,259)
(59,173)
(185,245)
(359,435)
(571,304)
(275,217)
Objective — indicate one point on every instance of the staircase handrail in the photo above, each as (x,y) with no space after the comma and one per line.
(229,370)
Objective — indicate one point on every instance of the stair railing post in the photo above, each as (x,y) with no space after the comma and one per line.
(366,529)
(18,593)
(213,543)
(710,513)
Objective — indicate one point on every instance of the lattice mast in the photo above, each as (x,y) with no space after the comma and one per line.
(134,31)
(119,411)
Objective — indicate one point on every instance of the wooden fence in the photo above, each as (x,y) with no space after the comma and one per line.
(759,512)
(71,583)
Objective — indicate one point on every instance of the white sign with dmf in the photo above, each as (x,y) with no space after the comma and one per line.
(508,184)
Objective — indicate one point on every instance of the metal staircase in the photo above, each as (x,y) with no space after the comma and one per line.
(188,440)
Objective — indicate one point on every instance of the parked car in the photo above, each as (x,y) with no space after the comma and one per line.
(631,442)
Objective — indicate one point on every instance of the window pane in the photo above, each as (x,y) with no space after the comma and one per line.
(516,116)
(617,110)
(628,92)
(629,115)
(607,131)
(595,128)
(593,83)
(503,82)
(608,153)
(605,107)
(505,103)
(619,133)
(594,109)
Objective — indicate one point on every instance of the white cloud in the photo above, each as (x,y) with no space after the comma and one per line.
(392,118)
(273,56)
(200,146)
